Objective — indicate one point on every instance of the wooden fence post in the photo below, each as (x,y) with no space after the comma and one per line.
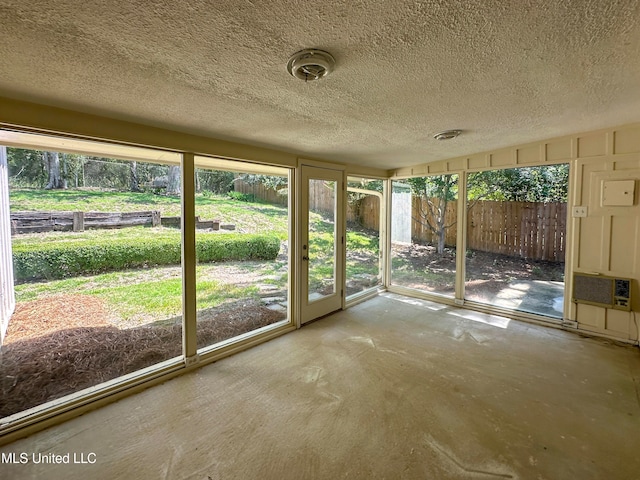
(78,221)
(155,218)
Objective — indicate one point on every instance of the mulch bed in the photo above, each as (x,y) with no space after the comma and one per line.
(63,344)
(48,315)
(481,268)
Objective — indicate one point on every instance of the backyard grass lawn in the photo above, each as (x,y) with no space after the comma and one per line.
(91,200)
(145,295)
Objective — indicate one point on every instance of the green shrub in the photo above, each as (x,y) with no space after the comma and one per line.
(72,258)
(242,197)
(223,247)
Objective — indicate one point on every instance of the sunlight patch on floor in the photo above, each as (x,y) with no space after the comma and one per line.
(416,302)
(494,321)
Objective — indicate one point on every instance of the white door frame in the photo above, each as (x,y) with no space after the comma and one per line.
(310,310)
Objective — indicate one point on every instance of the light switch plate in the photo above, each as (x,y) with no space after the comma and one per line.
(579,212)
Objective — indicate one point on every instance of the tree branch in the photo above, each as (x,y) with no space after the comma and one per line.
(428,225)
(426,216)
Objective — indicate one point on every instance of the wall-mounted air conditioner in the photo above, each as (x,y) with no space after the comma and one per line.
(602,291)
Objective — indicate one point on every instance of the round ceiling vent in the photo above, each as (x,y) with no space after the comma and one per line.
(447,134)
(310,64)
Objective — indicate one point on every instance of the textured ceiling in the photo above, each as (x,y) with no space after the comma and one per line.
(505,72)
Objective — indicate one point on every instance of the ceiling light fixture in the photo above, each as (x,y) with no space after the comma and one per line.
(310,64)
(447,134)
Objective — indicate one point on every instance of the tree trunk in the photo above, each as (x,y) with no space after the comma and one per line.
(134,184)
(52,163)
(442,212)
(441,238)
(65,171)
(173,181)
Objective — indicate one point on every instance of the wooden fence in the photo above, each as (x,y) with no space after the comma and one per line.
(365,212)
(261,192)
(533,230)
(321,198)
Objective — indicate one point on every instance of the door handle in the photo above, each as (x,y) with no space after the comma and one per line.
(305,257)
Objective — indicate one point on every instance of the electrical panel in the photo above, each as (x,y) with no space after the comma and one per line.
(618,193)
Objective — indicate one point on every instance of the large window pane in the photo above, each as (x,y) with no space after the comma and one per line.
(363,234)
(98,276)
(516,237)
(322,234)
(423,233)
(242,235)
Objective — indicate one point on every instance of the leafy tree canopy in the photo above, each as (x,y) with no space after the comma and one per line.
(444,187)
(547,183)
(366,184)
(26,167)
(270,181)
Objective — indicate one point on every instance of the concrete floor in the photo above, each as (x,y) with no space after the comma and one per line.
(391,388)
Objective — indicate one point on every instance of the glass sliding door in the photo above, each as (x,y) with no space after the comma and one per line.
(423,233)
(516,233)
